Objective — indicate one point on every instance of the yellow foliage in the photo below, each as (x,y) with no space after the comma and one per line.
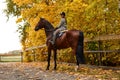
(22,2)
(50,12)
(19,20)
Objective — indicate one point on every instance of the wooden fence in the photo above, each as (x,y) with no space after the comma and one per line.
(11,57)
(99,52)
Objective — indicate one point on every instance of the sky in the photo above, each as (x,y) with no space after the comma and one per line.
(9,38)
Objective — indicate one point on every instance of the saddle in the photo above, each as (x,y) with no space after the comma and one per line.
(59,34)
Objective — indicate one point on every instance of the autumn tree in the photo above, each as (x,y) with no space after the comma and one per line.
(93,17)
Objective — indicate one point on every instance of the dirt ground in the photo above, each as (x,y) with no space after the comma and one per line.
(36,71)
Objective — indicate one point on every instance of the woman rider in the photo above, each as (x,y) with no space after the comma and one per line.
(61,27)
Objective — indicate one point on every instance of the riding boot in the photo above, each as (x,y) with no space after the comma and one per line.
(54,37)
(53,40)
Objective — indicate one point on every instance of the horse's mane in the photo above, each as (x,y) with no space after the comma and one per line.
(47,23)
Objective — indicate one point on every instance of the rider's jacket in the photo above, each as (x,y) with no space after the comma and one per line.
(63,23)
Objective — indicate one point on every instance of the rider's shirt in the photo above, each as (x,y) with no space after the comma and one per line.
(63,23)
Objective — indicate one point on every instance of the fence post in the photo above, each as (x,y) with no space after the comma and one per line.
(0,58)
(33,52)
(21,56)
(100,55)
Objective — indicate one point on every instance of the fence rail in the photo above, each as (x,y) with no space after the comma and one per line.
(35,47)
(103,38)
(100,51)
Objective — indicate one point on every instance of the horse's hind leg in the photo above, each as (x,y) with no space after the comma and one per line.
(80,56)
(55,57)
(49,54)
(77,61)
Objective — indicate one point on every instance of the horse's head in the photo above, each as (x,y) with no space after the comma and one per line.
(40,24)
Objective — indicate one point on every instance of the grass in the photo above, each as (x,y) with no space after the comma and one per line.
(10,59)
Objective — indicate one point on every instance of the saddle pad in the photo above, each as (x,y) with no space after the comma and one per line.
(59,34)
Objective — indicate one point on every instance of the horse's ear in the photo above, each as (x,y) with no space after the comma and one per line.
(41,18)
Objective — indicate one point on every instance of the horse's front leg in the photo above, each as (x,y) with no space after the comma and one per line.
(55,57)
(49,55)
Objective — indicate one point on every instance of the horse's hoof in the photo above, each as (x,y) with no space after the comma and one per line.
(47,68)
(54,69)
(76,68)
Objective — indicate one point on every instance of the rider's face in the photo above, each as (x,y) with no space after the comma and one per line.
(62,16)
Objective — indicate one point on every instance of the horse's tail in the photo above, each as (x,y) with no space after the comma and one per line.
(80,52)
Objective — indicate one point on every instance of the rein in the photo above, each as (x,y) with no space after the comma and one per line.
(49,30)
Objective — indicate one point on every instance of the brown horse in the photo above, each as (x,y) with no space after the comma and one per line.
(71,38)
